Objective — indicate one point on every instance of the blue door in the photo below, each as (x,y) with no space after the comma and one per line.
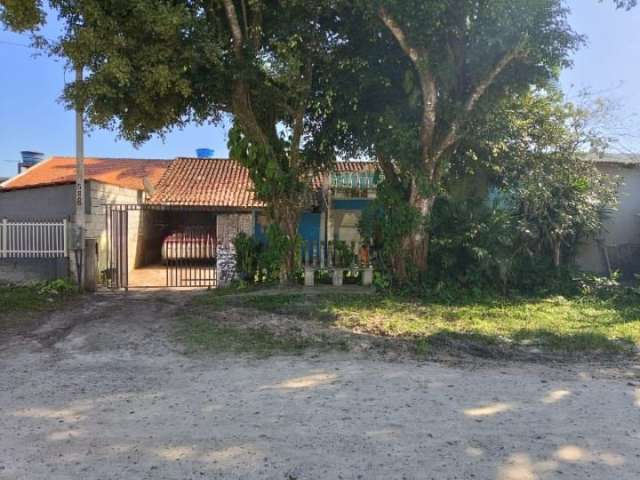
(309,227)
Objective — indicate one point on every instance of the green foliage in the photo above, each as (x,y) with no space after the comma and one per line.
(34,297)
(275,252)
(344,256)
(262,263)
(21,15)
(473,244)
(247,253)
(60,286)
(558,195)
(479,324)
(519,198)
(386,223)
(205,335)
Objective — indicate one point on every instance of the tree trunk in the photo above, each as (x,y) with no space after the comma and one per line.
(557,253)
(286,216)
(412,262)
(419,240)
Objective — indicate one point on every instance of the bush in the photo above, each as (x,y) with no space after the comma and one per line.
(247,253)
(60,286)
(258,262)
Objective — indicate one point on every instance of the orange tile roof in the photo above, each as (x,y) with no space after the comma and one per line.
(122,172)
(219,182)
(206,182)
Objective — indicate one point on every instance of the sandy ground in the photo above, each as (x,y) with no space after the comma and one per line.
(101,392)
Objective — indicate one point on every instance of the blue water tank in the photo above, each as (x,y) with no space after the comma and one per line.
(204,152)
(29,159)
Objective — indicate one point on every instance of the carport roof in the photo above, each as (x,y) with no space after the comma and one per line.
(121,172)
(206,182)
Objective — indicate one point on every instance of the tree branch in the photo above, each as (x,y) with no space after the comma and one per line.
(244,17)
(481,88)
(234,24)
(415,54)
(428,86)
(241,99)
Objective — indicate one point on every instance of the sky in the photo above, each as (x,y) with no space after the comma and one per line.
(32,118)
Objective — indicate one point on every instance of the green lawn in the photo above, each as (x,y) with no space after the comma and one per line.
(16,301)
(581,324)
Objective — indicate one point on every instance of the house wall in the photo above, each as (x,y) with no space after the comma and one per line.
(621,236)
(345,217)
(37,204)
(99,195)
(43,203)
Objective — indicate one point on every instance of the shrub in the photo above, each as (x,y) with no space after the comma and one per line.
(247,253)
(258,262)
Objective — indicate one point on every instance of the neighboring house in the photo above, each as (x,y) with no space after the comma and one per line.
(618,247)
(46,192)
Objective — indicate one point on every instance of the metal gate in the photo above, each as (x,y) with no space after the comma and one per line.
(188,256)
(117,273)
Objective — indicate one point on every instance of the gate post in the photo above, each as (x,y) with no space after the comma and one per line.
(90,275)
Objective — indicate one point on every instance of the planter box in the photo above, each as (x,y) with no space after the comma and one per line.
(309,277)
(367,277)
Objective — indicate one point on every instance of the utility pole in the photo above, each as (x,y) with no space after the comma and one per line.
(80,193)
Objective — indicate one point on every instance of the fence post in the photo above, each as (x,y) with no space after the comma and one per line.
(4,235)
(65,237)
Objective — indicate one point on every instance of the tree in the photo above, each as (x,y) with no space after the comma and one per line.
(420,71)
(544,173)
(156,65)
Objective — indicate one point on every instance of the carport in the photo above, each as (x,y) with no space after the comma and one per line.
(152,246)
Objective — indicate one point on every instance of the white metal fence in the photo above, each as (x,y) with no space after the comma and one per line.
(33,239)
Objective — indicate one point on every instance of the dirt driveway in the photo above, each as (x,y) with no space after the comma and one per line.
(102,392)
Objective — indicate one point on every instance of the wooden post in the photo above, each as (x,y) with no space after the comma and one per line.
(91,265)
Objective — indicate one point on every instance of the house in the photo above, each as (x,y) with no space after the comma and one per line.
(618,247)
(200,201)
(46,191)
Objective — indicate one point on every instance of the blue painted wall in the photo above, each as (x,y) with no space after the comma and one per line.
(311,223)
(309,227)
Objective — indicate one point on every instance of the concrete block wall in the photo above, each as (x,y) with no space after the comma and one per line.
(27,270)
(99,195)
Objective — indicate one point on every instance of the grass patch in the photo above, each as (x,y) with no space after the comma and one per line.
(555,323)
(35,297)
(202,334)
(16,301)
